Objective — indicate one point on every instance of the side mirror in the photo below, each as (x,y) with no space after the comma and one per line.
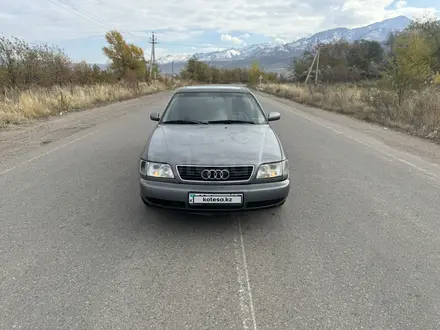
(155,116)
(272,116)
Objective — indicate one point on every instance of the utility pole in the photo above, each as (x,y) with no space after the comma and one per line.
(315,59)
(153,42)
(317,68)
(172,69)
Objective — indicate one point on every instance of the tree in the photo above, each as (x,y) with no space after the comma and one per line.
(11,52)
(199,71)
(216,75)
(430,30)
(127,60)
(24,65)
(254,73)
(300,67)
(410,65)
(334,54)
(196,70)
(365,55)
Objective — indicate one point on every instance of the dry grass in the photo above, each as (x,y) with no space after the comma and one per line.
(20,106)
(417,115)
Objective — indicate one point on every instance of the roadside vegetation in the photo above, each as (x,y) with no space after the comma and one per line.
(197,71)
(396,85)
(40,80)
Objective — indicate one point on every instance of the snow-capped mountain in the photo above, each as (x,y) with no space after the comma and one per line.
(226,54)
(173,58)
(377,31)
(244,55)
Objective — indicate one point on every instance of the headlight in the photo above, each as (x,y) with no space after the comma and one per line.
(273,170)
(156,170)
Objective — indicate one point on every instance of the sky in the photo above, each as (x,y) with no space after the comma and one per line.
(190,26)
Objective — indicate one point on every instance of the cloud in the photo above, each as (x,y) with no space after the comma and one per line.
(401,4)
(178,34)
(175,20)
(245,36)
(229,38)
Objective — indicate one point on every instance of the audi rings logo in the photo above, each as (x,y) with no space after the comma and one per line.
(215,174)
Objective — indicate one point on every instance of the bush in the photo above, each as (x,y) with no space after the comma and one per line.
(419,114)
(18,106)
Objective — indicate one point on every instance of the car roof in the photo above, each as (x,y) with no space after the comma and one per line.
(213,88)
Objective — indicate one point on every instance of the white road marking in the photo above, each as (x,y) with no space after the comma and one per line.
(246,302)
(46,153)
(432,175)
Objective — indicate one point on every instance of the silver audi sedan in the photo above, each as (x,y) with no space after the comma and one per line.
(213,149)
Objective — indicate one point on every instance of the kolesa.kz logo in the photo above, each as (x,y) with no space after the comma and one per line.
(217,199)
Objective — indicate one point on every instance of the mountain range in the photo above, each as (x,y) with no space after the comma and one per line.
(276,56)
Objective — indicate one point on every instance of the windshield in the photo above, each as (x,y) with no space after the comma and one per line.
(213,108)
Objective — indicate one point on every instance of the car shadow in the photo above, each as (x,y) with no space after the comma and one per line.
(207,223)
(182,217)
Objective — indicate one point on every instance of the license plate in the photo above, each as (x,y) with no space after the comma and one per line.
(215,199)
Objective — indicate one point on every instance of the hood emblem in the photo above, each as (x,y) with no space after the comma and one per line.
(215,174)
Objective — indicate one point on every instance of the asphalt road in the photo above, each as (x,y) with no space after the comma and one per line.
(356,246)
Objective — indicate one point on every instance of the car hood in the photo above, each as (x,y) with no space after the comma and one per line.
(213,145)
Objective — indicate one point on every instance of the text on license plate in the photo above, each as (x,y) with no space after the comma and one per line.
(215,198)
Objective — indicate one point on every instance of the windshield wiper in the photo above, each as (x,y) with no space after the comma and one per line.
(230,121)
(181,121)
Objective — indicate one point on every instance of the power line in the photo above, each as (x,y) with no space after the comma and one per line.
(66,6)
(79,9)
(80,12)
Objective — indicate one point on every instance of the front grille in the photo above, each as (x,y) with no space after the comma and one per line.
(194,173)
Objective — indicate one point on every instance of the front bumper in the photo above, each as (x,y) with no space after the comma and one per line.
(175,195)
